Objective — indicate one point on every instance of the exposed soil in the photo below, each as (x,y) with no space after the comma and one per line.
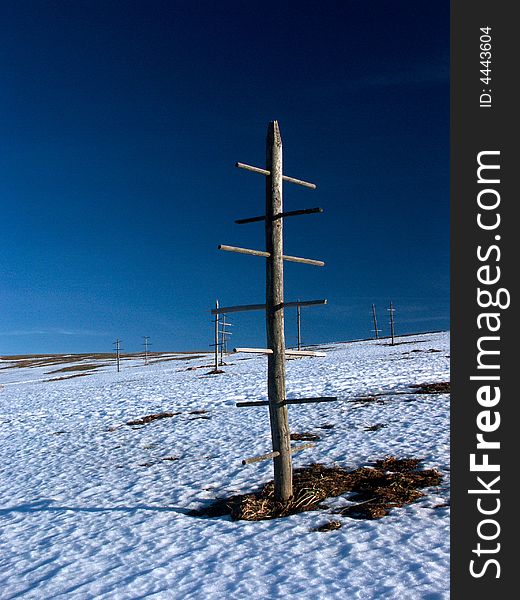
(390,483)
(87,367)
(67,377)
(442,387)
(375,427)
(368,400)
(329,526)
(154,417)
(304,437)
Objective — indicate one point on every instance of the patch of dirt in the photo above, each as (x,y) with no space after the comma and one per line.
(442,387)
(368,400)
(304,437)
(390,483)
(87,367)
(329,526)
(154,417)
(67,377)
(375,427)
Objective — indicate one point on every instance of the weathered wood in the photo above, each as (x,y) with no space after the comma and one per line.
(392,310)
(304,303)
(216,336)
(307,261)
(248,461)
(287,401)
(376,330)
(279,419)
(312,186)
(287,352)
(245,307)
(267,173)
(239,308)
(299,324)
(291,213)
(253,169)
(243,250)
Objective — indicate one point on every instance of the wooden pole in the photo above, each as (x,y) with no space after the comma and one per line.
(278,413)
(146,342)
(375,320)
(118,348)
(392,309)
(222,339)
(216,337)
(299,324)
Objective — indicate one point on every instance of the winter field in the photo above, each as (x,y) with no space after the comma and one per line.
(91,507)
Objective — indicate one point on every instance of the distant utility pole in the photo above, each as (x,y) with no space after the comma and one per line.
(392,310)
(146,343)
(376,330)
(299,323)
(216,342)
(118,354)
(223,338)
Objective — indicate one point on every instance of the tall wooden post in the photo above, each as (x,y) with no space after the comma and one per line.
(275,316)
(146,344)
(376,330)
(299,324)
(216,338)
(118,350)
(392,309)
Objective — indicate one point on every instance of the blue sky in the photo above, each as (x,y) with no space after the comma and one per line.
(121,123)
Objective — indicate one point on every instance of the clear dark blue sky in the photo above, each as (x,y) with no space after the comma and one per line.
(121,123)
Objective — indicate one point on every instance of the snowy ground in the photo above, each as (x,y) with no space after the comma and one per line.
(89,508)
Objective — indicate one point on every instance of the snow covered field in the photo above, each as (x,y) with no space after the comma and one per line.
(93,508)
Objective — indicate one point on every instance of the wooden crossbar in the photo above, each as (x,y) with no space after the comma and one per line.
(291,213)
(304,303)
(297,259)
(284,177)
(287,352)
(288,401)
(240,308)
(269,455)
(245,307)
(243,250)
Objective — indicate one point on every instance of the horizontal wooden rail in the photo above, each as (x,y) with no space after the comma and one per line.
(297,259)
(240,308)
(287,352)
(284,177)
(291,213)
(243,250)
(287,401)
(245,307)
(305,261)
(262,457)
(304,303)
